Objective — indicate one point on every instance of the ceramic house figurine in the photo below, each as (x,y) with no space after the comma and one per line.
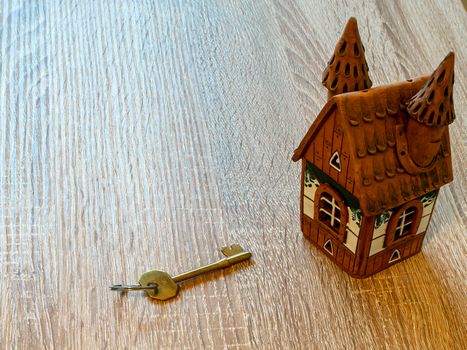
(374,160)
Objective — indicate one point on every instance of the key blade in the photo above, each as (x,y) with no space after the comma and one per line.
(232,250)
(235,254)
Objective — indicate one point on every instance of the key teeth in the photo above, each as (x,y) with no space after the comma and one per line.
(232,250)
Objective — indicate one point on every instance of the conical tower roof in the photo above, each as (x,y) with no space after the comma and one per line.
(433,105)
(347,70)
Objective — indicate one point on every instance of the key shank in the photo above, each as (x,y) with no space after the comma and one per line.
(222,263)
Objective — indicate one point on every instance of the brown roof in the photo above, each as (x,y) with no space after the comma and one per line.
(369,118)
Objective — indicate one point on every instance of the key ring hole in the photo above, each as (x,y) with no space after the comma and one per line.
(155,285)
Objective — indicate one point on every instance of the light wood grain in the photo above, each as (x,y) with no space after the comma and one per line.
(143,134)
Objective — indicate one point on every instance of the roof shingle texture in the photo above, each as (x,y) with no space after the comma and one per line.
(370,119)
(381,181)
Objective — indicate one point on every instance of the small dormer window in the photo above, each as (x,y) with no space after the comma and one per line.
(335,161)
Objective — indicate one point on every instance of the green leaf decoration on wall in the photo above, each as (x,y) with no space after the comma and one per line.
(382,218)
(310,177)
(429,198)
(356,215)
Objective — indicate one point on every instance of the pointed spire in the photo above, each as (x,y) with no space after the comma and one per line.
(347,70)
(432,105)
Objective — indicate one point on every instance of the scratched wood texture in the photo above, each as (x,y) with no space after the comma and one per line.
(144,134)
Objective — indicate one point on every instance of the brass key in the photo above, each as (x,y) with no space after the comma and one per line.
(160,285)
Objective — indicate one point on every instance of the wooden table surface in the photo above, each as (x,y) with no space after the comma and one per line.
(148,134)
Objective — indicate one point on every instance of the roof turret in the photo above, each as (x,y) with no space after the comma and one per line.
(433,105)
(347,70)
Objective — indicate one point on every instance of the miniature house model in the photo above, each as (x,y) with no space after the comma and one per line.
(374,160)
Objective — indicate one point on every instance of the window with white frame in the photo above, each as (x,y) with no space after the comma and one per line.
(405,222)
(329,211)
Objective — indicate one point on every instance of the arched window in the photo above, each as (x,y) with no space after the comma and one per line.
(404,222)
(330,210)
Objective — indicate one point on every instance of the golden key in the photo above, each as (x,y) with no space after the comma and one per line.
(160,285)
